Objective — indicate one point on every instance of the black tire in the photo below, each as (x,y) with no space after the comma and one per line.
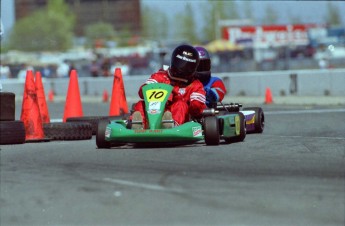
(12,132)
(211,130)
(68,130)
(100,135)
(243,131)
(93,120)
(259,122)
(7,106)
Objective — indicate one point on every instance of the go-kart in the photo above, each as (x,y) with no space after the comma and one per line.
(210,128)
(254,116)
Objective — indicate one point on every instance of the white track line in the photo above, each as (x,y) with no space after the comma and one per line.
(329,138)
(142,185)
(304,111)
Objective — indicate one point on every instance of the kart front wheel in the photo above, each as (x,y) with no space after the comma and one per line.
(100,135)
(259,122)
(211,130)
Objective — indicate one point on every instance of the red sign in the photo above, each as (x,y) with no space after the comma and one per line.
(268,35)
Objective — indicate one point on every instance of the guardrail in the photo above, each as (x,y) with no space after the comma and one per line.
(329,82)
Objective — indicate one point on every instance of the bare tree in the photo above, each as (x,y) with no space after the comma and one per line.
(271,16)
(187,26)
(294,19)
(215,11)
(155,24)
(248,11)
(333,15)
(49,29)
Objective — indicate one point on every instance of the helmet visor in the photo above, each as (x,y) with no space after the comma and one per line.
(181,68)
(180,73)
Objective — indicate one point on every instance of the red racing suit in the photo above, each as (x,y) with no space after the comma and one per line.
(215,91)
(186,99)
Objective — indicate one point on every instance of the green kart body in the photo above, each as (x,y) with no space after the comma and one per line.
(210,128)
(116,131)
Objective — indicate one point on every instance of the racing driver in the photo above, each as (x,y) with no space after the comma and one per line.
(188,95)
(214,86)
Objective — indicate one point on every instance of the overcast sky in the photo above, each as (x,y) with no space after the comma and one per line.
(307,11)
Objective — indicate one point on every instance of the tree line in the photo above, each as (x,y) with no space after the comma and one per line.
(51,28)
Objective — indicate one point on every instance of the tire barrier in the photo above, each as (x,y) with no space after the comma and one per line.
(32,127)
(7,106)
(93,120)
(68,130)
(12,132)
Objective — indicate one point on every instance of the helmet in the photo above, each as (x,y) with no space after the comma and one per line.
(204,68)
(184,61)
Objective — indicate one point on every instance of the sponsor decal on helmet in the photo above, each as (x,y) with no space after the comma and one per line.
(186,59)
(187,53)
(202,53)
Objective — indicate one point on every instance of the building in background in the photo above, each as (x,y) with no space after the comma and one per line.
(122,14)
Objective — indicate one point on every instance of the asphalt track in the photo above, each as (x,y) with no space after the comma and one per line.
(292,174)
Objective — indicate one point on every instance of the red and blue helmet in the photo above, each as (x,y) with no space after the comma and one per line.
(204,67)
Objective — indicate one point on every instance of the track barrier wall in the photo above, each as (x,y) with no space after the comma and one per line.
(328,82)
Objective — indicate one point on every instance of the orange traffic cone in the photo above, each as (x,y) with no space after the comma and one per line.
(41,98)
(268,96)
(123,100)
(51,95)
(118,104)
(105,96)
(73,107)
(30,114)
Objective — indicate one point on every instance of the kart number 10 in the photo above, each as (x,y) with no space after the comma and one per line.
(156,95)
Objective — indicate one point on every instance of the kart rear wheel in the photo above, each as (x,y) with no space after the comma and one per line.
(211,130)
(100,135)
(242,128)
(259,122)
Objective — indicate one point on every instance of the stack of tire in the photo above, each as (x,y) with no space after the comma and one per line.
(93,120)
(11,131)
(68,130)
(75,128)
